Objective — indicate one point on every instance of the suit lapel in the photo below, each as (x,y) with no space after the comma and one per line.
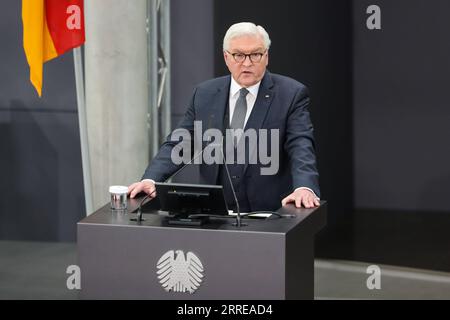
(262,103)
(218,105)
(259,112)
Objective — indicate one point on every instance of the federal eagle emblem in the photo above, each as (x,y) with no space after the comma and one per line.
(179,274)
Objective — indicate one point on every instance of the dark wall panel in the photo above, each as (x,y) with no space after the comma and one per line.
(192,50)
(401,117)
(401,106)
(192,59)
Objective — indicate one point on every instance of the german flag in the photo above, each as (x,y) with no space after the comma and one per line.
(50,28)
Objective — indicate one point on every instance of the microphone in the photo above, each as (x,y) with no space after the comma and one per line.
(238,216)
(139,212)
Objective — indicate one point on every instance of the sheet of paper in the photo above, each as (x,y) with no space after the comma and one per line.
(256,215)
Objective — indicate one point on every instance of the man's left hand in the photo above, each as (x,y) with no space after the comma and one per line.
(302,197)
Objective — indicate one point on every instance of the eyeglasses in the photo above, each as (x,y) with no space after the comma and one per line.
(240,57)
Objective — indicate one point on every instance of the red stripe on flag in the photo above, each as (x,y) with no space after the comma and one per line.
(65,20)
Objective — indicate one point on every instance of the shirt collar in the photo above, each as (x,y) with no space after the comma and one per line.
(235,87)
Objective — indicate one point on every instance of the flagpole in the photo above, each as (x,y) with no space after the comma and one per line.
(82,121)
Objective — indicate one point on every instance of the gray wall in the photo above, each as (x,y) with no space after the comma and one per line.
(402,106)
(117,104)
(41,176)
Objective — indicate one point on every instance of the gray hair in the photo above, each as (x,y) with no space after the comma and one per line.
(245,29)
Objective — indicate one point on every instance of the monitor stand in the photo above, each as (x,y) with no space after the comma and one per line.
(184,220)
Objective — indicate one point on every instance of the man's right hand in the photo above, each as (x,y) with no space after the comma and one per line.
(146,186)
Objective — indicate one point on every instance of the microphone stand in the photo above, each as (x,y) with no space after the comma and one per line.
(139,212)
(238,216)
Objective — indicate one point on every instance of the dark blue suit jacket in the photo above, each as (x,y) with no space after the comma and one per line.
(282,103)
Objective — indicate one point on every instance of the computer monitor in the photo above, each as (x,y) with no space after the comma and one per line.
(184,200)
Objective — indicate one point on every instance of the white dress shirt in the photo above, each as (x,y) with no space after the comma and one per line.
(234,95)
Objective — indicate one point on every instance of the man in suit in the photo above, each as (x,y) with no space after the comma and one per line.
(250,98)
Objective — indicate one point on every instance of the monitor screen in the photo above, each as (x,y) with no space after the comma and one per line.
(188,199)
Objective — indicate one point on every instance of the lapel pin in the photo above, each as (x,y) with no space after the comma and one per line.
(267,96)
